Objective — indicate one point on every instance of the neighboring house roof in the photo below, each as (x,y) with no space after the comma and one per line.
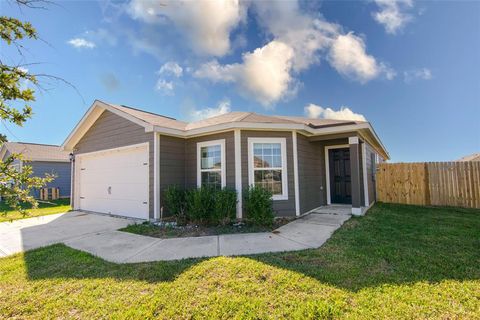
(153,122)
(472,157)
(35,152)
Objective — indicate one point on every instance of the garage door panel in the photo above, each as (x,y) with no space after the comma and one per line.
(115,182)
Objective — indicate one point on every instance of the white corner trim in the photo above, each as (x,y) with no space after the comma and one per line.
(295,173)
(365,180)
(327,167)
(353,140)
(223,175)
(156,175)
(283,146)
(238,171)
(357,211)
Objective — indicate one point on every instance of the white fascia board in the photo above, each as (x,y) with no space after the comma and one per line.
(67,145)
(92,114)
(267,126)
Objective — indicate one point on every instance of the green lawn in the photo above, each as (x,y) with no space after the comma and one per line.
(44,208)
(398,262)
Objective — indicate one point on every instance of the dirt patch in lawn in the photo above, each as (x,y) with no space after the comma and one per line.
(170,230)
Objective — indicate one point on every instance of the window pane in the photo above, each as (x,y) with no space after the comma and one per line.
(267,155)
(212,179)
(269,179)
(211,157)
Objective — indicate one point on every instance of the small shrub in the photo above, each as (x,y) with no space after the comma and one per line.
(258,206)
(175,203)
(225,206)
(200,204)
(211,206)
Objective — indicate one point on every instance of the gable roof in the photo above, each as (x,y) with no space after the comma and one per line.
(153,122)
(471,157)
(36,152)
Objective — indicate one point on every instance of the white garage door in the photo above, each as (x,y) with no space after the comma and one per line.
(114,182)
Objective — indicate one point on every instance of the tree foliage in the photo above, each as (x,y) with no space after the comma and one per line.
(15,99)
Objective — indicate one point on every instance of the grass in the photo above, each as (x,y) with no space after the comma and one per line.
(44,208)
(152,230)
(398,262)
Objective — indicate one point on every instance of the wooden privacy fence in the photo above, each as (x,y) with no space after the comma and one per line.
(455,184)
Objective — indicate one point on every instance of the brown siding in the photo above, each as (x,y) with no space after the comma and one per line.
(112,131)
(191,158)
(172,164)
(281,207)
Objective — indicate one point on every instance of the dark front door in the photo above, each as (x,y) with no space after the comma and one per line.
(340,180)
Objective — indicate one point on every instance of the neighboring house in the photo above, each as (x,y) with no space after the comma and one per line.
(472,157)
(43,159)
(125,158)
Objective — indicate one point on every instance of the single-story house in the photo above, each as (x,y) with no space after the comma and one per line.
(124,159)
(43,158)
(470,157)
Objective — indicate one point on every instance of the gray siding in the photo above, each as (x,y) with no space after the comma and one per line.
(61,169)
(311,176)
(281,207)
(191,158)
(112,131)
(172,165)
(312,170)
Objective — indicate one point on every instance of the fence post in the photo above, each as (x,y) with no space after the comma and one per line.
(427,184)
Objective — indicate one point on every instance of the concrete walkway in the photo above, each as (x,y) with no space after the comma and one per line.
(98,235)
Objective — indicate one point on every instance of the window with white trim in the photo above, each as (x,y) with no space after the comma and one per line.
(268,165)
(211,164)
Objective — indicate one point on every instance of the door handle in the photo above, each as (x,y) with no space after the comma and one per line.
(109,190)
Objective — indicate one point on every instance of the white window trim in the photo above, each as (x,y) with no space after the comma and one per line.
(283,146)
(202,144)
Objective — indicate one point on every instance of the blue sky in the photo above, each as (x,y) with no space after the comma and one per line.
(411,68)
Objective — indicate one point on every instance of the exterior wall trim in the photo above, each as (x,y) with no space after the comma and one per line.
(365,181)
(283,143)
(238,172)
(156,175)
(295,173)
(327,168)
(220,142)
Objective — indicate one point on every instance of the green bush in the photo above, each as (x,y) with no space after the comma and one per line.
(200,204)
(258,206)
(211,206)
(225,206)
(175,203)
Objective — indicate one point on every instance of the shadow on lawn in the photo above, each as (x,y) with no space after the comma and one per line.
(393,244)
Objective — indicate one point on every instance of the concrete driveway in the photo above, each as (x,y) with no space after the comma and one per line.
(98,235)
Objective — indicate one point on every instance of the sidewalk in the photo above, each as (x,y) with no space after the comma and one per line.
(98,235)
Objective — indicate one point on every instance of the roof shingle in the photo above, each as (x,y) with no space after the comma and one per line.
(37,152)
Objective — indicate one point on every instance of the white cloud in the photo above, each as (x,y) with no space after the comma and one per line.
(81,43)
(199,114)
(205,24)
(307,35)
(264,73)
(349,57)
(417,74)
(165,87)
(315,111)
(171,68)
(393,14)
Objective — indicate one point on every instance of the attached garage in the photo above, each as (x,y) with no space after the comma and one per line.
(114,181)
